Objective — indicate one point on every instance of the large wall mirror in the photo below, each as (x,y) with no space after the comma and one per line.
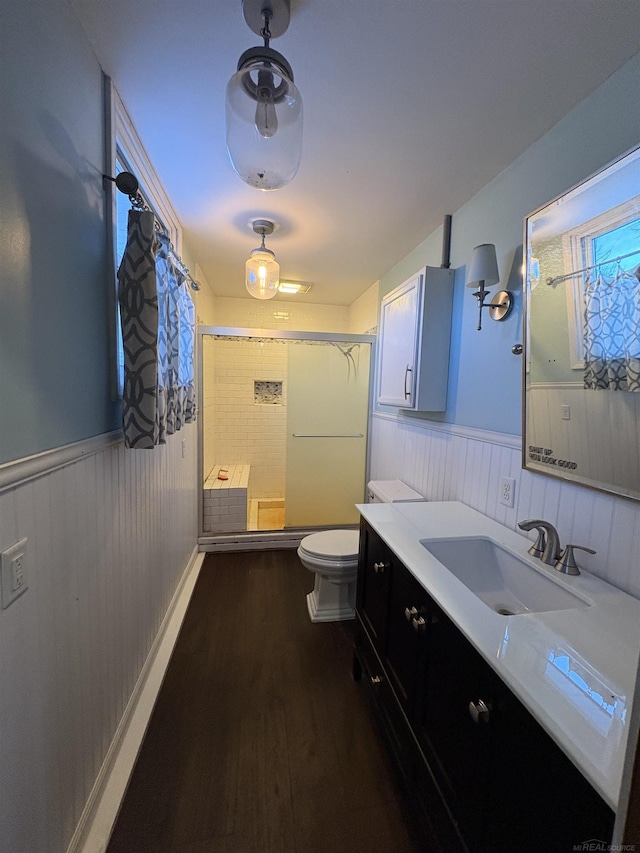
(582,333)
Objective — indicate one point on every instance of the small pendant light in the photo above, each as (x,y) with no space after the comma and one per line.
(262,271)
(263,105)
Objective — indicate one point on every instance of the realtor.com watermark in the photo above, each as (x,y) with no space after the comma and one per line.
(595,846)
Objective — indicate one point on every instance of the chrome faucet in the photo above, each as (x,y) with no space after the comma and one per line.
(547,545)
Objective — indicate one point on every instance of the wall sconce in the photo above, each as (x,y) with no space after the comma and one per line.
(262,271)
(263,104)
(483,271)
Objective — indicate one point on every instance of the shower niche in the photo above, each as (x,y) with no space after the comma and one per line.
(267,393)
(291,410)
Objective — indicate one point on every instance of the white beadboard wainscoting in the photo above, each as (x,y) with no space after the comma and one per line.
(582,434)
(111,533)
(447,462)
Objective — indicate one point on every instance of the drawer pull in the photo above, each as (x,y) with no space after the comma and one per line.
(375,679)
(409,613)
(379,568)
(479,711)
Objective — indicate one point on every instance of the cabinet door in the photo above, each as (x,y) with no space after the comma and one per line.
(537,799)
(399,322)
(456,744)
(375,564)
(407,639)
(508,785)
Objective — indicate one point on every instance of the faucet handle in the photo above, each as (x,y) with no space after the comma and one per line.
(567,562)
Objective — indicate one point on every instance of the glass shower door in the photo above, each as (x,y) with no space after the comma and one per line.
(327,415)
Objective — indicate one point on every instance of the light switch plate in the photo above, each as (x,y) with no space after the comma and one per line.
(14,572)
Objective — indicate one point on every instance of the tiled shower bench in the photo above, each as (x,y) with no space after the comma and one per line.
(225,501)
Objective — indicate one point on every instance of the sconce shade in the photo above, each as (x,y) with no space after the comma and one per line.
(262,274)
(264,120)
(483,266)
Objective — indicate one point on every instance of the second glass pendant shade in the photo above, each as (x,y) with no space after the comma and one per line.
(262,271)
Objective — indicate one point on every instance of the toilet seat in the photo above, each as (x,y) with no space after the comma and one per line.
(332,545)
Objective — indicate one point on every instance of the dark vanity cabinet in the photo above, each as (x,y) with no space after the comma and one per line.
(483,773)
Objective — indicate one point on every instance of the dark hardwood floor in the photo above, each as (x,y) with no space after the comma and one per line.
(260,740)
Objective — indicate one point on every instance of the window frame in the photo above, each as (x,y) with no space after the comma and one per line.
(123,144)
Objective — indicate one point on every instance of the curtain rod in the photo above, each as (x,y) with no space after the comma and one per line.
(127,183)
(560,278)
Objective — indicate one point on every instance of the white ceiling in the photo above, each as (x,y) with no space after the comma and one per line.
(411,106)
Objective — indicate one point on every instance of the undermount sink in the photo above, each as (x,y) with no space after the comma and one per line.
(508,584)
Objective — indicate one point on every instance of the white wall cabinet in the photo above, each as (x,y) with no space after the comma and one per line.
(415,334)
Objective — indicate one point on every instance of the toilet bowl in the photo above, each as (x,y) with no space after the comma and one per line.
(333,556)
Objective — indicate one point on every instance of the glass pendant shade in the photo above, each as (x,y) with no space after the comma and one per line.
(262,274)
(264,120)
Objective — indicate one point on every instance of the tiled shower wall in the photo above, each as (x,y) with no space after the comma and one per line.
(242,430)
(445,462)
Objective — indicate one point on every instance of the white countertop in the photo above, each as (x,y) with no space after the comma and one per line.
(575,670)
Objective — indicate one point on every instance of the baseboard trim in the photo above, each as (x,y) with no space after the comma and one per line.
(101,810)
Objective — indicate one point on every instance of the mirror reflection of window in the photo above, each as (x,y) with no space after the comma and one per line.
(607,248)
(622,242)
(582,332)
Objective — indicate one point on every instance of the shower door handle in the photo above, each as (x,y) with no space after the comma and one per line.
(409,370)
(324,435)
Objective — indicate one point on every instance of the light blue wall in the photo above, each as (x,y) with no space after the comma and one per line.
(484,376)
(54,308)
(54,287)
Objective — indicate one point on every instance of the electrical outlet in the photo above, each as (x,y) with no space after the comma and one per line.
(507,491)
(14,572)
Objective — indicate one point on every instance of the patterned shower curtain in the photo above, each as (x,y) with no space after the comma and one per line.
(612,332)
(158,329)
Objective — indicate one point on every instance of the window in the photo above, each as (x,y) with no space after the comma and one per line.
(127,154)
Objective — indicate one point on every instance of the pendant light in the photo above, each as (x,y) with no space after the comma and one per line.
(263,105)
(262,271)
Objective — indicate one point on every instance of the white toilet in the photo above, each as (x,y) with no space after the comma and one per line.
(333,556)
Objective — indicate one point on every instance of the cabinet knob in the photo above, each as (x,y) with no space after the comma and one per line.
(479,711)
(409,613)
(419,623)
(379,568)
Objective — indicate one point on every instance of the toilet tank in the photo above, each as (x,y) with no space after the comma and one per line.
(390,491)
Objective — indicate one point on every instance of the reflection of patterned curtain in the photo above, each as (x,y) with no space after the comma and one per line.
(612,333)
(158,322)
